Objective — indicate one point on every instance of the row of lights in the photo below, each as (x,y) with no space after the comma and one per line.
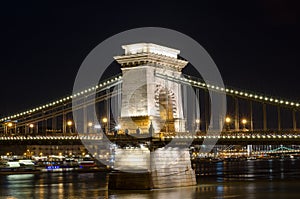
(10,124)
(69,123)
(228,120)
(236,137)
(62,100)
(236,92)
(167,137)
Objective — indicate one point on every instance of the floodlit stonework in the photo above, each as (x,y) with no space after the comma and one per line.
(146,97)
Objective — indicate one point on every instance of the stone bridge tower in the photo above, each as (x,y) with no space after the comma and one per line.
(147,97)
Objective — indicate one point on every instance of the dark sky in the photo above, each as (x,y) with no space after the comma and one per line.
(255,44)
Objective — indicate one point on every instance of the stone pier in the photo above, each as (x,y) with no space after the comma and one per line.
(140,169)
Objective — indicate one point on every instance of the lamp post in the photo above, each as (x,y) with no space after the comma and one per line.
(244,122)
(104,120)
(9,125)
(70,123)
(228,121)
(31,129)
(197,125)
(90,124)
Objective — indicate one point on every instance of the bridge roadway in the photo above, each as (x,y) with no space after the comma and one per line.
(132,140)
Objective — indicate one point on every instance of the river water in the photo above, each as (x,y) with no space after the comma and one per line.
(241,179)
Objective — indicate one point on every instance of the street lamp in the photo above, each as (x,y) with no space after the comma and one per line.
(104,120)
(31,128)
(244,122)
(70,123)
(90,124)
(197,125)
(228,120)
(8,126)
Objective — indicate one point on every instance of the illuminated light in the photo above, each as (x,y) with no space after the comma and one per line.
(292,103)
(297,104)
(276,100)
(236,92)
(260,97)
(104,83)
(217,88)
(255,96)
(81,92)
(250,95)
(91,89)
(227,90)
(31,125)
(244,121)
(231,91)
(212,87)
(246,94)
(241,93)
(104,120)
(69,123)
(85,91)
(207,85)
(227,119)
(60,100)
(222,89)
(266,98)
(281,101)
(90,124)
(10,124)
(287,102)
(271,99)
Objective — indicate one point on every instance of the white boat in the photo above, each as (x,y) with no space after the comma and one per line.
(12,164)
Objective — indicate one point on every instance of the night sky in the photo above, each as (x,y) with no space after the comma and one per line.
(255,45)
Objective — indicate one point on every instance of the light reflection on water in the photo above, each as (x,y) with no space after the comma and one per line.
(250,179)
